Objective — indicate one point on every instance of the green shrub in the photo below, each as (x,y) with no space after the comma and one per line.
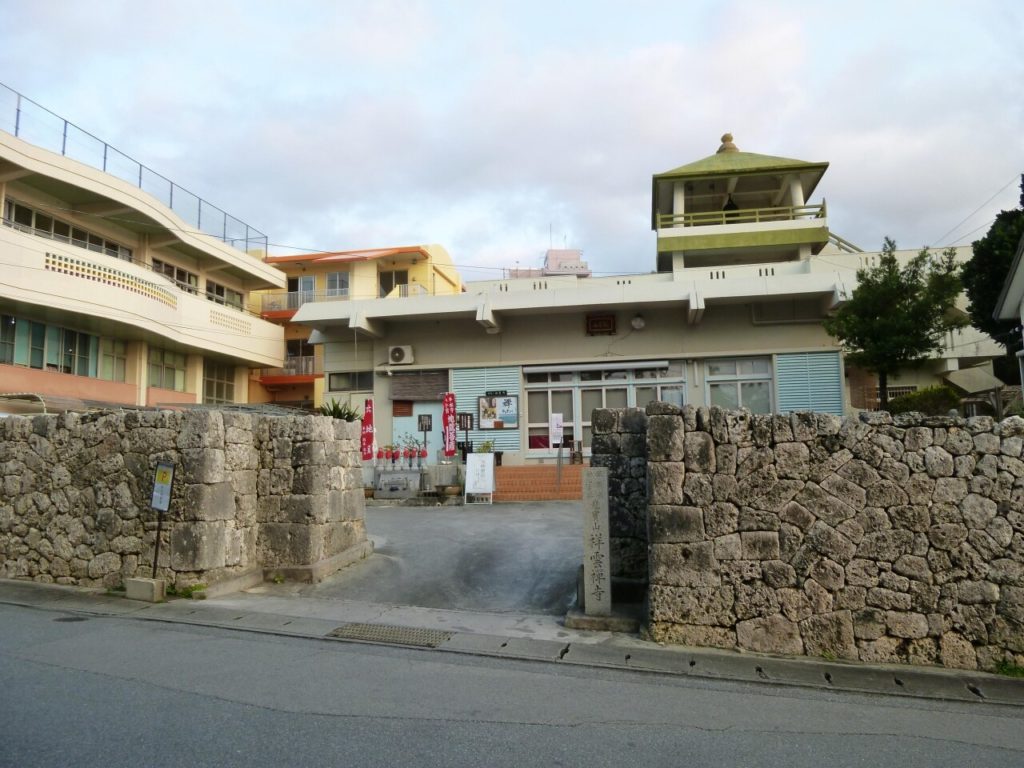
(931,401)
(343,411)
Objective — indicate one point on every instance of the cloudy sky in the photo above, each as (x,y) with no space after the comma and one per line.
(498,128)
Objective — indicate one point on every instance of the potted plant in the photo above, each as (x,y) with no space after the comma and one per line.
(487,446)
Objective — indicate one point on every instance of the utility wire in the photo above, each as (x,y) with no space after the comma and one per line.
(967,218)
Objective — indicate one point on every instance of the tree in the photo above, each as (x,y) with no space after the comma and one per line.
(898,316)
(984,274)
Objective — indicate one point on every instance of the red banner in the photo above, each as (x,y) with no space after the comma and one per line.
(448,423)
(366,436)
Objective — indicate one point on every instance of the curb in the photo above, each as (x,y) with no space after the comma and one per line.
(617,651)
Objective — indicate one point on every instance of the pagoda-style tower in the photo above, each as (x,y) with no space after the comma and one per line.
(737,208)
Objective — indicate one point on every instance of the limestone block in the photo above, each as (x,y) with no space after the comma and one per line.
(721,518)
(913,567)
(201,465)
(737,572)
(725,458)
(697,490)
(1011,446)
(851,493)
(684,565)
(820,598)
(796,514)
(978,592)
(772,634)
(778,495)
(693,605)
(978,511)
(665,482)
(201,429)
(916,438)
(238,456)
(899,472)
(290,544)
(675,524)
(724,487)
(886,545)
(304,508)
(830,543)
(693,635)
(777,573)
(200,501)
(829,574)
(699,452)
(938,462)
(782,428)
(823,505)
(754,600)
(956,651)
(884,650)
(756,485)
(728,547)
(794,604)
(665,438)
(879,597)
(198,546)
(311,479)
(829,635)
(911,517)
(103,564)
(337,537)
(906,624)
(760,545)
(947,536)
(633,421)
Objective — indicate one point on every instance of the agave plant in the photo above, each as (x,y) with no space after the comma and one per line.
(343,411)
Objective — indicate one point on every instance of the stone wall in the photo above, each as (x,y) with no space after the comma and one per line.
(871,538)
(620,444)
(252,494)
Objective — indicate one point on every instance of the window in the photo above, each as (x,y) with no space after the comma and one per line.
(76,352)
(350,381)
(113,360)
(223,295)
(167,369)
(218,383)
(187,281)
(743,382)
(337,284)
(36,222)
(8,327)
(575,393)
(390,280)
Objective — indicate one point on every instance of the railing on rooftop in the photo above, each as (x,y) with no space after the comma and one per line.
(27,120)
(280,301)
(741,216)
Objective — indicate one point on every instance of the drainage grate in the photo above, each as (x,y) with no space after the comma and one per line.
(388,633)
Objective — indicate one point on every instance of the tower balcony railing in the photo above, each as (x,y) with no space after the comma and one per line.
(741,216)
(34,123)
(282,301)
(305,365)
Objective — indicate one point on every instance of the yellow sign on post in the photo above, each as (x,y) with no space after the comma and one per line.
(163,482)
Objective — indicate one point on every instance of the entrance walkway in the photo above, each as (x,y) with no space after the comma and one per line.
(515,558)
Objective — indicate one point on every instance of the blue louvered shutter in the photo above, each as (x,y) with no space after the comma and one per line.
(809,381)
(469,384)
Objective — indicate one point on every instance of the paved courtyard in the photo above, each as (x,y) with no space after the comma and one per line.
(499,558)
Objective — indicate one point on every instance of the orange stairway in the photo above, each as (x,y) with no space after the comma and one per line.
(538,482)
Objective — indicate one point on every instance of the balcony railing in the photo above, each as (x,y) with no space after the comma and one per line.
(34,123)
(296,366)
(741,216)
(280,301)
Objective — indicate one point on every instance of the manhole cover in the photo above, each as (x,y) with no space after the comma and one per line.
(71,618)
(387,633)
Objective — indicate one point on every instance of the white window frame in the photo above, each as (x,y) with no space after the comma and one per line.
(740,378)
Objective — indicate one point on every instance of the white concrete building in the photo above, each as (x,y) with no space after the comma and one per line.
(744,271)
(117,286)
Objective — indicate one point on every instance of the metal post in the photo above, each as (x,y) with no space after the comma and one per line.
(64,140)
(104,157)
(156,548)
(17,115)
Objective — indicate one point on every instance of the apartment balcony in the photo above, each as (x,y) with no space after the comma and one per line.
(119,298)
(296,370)
(281,305)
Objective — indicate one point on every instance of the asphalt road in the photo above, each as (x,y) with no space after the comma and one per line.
(515,558)
(122,692)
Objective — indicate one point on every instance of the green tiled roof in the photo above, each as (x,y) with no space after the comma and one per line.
(724,163)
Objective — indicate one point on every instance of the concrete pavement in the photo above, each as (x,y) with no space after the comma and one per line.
(512,636)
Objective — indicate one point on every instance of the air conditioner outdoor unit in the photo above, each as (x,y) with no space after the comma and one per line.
(400,355)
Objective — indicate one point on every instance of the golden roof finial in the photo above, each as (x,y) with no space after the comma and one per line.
(727,145)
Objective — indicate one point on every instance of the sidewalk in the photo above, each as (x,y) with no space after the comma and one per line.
(273,610)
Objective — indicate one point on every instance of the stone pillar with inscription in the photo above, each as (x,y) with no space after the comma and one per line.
(597,580)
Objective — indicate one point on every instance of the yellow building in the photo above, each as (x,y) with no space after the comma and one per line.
(385,273)
(118,286)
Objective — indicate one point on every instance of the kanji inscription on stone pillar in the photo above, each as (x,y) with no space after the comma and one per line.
(597,580)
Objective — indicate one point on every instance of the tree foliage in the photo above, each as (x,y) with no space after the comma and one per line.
(898,316)
(984,274)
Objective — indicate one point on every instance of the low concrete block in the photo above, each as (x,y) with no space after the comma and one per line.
(147,590)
